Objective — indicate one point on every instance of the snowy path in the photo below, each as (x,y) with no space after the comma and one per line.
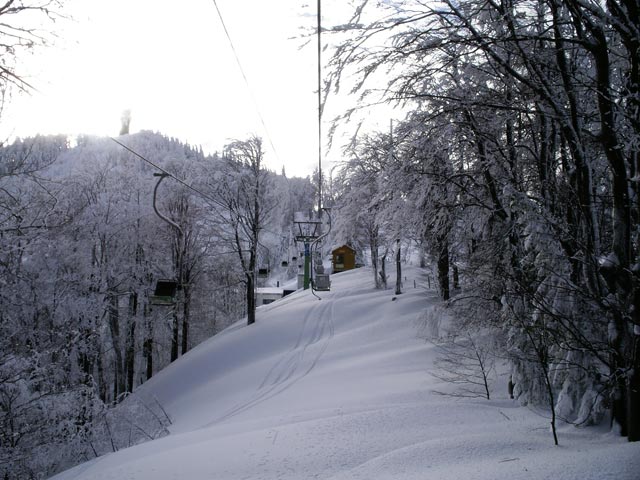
(340,389)
(316,333)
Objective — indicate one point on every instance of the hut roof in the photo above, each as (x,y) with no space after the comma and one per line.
(342,247)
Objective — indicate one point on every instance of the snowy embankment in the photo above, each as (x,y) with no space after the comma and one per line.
(339,388)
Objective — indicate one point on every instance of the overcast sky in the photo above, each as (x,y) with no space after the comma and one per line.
(171,64)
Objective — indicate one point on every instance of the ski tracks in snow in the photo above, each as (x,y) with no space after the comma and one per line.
(318,328)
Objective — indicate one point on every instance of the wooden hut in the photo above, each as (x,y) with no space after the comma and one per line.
(343,258)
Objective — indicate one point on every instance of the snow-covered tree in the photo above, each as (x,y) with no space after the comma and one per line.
(82,250)
(241,189)
(531,109)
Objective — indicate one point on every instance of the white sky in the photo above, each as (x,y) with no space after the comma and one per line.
(171,64)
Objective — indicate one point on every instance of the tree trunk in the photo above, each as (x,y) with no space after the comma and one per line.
(175,335)
(373,245)
(186,290)
(102,384)
(130,345)
(130,357)
(251,300)
(118,361)
(398,269)
(456,277)
(383,270)
(627,411)
(633,393)
(255,237)
(443,269)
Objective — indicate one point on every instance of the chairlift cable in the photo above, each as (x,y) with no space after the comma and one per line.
(246,81)
(169,174)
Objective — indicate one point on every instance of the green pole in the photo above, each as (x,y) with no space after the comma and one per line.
(307,265)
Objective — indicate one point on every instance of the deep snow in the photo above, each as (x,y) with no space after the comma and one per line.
(340,388)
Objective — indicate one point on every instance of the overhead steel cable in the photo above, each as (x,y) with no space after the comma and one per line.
(169,174)
(246,81)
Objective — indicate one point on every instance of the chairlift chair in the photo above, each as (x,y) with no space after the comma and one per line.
(165,293)
(322,282)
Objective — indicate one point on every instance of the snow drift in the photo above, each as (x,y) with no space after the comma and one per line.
(340,388)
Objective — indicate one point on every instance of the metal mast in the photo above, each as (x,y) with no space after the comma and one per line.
(319,109)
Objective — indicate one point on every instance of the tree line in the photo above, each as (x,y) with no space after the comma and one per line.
(81,252)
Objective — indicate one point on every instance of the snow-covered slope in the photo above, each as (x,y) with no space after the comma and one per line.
(339,388)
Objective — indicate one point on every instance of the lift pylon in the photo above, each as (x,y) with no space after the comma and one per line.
(308,229)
